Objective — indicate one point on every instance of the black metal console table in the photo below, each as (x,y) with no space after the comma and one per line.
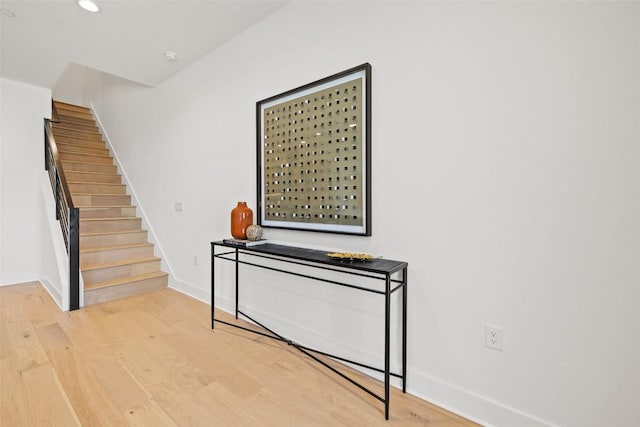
(392,273)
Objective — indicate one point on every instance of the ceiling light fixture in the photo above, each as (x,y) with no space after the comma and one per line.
(8,13)
(88,5)
(171,57)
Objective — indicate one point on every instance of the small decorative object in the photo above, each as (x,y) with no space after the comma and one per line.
(244,243)
(350,256)
(241,218)
(254,232)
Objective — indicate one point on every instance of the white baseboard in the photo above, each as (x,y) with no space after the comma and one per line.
(468,404)
(55,293)
(190,290)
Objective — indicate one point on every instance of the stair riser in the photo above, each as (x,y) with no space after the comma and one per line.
(75,120)
(60,105)
(107,212)
(103,226)
(79,141)
(86,158)
(102,240)
(76,114)
(93,177)
(120,271)
(96,296)
(109,255)
(101,200)
(89,136)
(88,167)
(96,188)
(82,127)
(79,149)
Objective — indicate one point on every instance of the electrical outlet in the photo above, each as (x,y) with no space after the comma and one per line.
(195,260)
(178,206)
(493,337)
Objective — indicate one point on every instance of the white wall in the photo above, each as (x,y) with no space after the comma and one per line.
(505,135)
(77,85)
(31,244)
(23,109)
(54,269)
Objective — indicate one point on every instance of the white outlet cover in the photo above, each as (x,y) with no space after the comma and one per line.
(178,206)
(493,337)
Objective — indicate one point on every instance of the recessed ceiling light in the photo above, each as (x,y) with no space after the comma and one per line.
(7,12)
(88,5)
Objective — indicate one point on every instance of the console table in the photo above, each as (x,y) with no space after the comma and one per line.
(386,276)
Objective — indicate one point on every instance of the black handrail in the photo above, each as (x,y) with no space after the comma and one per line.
(66,212)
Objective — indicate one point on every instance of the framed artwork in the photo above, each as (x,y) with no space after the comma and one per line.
(314,155)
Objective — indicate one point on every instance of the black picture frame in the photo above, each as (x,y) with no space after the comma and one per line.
(314,155)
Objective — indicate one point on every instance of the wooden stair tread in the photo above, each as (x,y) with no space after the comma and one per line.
(63,147)
(65,118)
(88,180)
(70,109)
(91,130)
(75,114)
(116,247)
(118,218)
(91,173)
(89,136)
(102,206)
(74,107)
(88,128)
(96,183)
(104,233)
(97,194)
(70,147)
(89,155)
(63,112)
(77,138)
(124,280)
(64,124)
(110,205)
(83,163)
(119,263)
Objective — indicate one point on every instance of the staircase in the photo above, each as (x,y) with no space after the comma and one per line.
(116,260)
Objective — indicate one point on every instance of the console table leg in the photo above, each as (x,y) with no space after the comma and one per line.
(404,330)
(387,319)
(237,296)
(213,287)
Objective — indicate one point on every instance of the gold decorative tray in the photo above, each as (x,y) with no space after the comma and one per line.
(350,256)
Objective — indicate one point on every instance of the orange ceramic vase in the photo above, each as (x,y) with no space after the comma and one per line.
(241,218)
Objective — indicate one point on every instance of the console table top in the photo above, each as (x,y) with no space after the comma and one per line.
(375,265)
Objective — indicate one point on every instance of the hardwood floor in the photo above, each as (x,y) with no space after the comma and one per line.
(152,360)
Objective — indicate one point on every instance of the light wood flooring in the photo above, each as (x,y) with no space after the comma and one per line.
(152,360)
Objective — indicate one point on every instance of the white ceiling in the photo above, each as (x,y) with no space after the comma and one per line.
(126,38)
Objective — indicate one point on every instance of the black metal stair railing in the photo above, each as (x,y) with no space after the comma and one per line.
(66,212)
